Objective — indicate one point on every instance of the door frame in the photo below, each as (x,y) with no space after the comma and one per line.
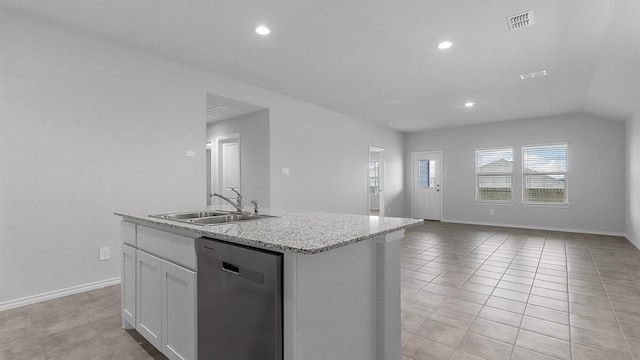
(413,177)
(381,179)
(216,174)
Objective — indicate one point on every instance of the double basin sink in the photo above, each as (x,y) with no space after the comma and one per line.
(212,217)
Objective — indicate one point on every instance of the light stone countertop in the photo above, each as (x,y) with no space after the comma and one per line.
(298,231)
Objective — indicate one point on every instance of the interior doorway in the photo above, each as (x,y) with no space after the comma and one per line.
(225,163)
(426,197)
(375,181)
(238,150)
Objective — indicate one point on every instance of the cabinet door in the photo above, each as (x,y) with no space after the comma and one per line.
(149,297)
(128,286)
(178,312)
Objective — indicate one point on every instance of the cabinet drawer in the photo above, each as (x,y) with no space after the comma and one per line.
(175,248)
(128,233)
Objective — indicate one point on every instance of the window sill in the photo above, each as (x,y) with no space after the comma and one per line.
(567,205)
(493,203)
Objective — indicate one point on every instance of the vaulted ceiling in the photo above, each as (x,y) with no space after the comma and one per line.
(378,59)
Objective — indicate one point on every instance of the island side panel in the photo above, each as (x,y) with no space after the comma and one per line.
(289,305)
(388,312)
(335,304)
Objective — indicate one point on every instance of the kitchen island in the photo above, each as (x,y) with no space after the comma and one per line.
(340,280)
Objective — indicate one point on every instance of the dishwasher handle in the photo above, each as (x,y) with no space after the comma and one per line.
(233,269)
(230,268)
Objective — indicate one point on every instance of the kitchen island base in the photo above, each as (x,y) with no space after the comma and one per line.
(344,303)
(340,282)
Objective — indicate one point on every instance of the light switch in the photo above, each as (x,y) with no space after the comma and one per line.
(105,253)
(285,172)
(191,153)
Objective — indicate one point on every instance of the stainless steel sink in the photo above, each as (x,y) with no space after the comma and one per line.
(223,219)
(189,215)
(216,217)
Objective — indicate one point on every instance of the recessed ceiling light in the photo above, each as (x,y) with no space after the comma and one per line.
(445,45)
(263,30)
(469,104)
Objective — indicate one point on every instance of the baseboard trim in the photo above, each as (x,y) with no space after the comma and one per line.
(632,240)
(515,226)
(11,304)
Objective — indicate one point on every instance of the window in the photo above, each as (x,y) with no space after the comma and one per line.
(426,173)
(544,174)
(494,175)
(374,178)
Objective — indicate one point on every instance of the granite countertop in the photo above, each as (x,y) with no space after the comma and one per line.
(298,231)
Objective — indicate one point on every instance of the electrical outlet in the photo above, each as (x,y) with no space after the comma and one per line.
(105,253)
(492,212)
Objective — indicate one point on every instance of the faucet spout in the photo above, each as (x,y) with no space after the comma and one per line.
(237,204)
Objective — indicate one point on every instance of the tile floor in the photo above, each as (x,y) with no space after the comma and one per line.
(84,326)
(468,292)
(477,292)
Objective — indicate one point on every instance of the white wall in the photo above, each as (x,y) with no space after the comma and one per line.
(633,180)
(596,162)
(254,152)
(88,128)
(91,126)
(328,159)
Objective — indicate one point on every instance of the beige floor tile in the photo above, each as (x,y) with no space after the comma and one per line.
(461,355)
(500,316)
(485,347)
(545,327)
(525,354)
(441,333)
(419,348)
(613,340)
(561,317)
(544,344)
(452,318)
(506,304)
(581,352)
(494,330)
(411,322)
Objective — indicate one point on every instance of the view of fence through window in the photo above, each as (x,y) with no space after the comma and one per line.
(544,174)
(426,173)
(544,171)
(494,174)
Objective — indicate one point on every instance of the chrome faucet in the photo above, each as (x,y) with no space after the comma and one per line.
(238,202)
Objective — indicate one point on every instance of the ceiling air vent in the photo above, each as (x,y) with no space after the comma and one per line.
(218,113)
(520,21)
(533,75)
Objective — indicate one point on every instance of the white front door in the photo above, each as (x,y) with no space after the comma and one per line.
(427,180)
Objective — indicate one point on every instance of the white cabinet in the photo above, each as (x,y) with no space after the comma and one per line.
(158,295)
(128,286)
(178,312)
(166,306)
(149,297)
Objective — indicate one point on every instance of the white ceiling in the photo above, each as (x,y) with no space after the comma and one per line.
(353,55)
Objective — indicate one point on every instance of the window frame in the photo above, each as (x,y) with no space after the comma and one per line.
(377,178)
(509,174)
(523,148)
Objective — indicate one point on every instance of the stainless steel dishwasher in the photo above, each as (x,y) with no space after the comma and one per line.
(239,302)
